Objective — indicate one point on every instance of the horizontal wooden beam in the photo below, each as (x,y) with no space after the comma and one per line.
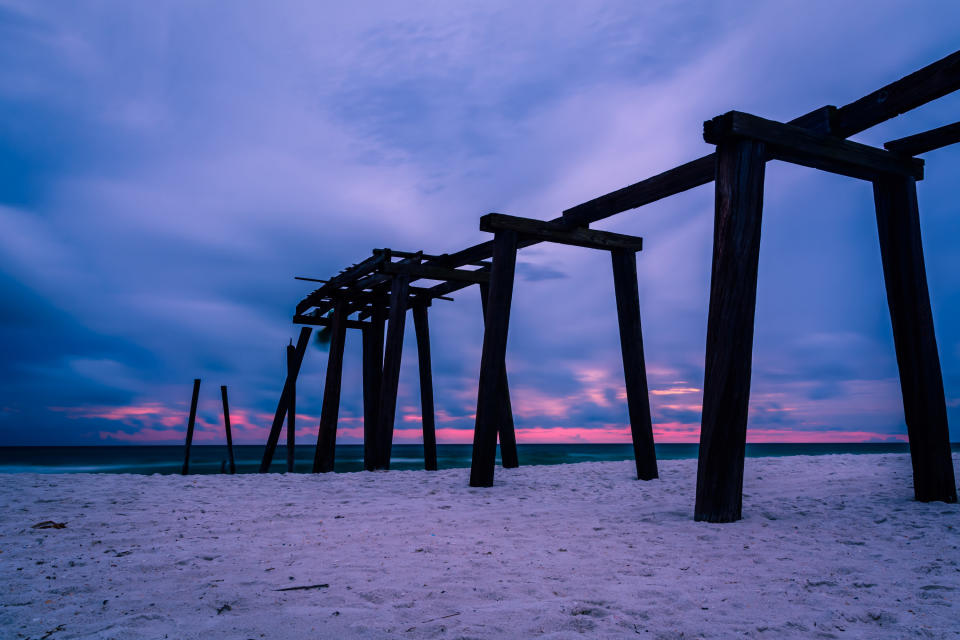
(430,272)
(673,181)
(917,89)
(800,146)
(347,275)
(317,321)
(551,232)
(926,141)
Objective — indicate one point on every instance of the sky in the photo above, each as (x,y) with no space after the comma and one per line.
(167,168)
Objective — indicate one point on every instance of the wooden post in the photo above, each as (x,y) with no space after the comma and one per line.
(323,458)
(291,409)
(289,386)
(634,367)
(193,417)
(505,427)
(391,369)
(372,375)
(426,387)
(492,360)
(733,296)
(908,298)
(226,426)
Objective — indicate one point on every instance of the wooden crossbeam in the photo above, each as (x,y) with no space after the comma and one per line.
(364,267)
(317,321)
(431,272)
(917,89)
(927,141)
(673,181)
(551,232)
(800,146)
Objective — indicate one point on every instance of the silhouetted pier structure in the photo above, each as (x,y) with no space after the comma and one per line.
(379,290)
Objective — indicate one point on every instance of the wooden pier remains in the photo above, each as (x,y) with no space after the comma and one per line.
(382,287)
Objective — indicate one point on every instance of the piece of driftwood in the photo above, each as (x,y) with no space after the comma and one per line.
(733,295)
(190,423)
(921,381)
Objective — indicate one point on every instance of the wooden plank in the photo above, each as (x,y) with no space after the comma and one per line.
(316,321)
(553,232)
(372,376)
(505,427)
(422,328)
(190,423)
(289,385)
(393,350)
(324,455)
(927,141)
(226,427)
(348,275)
(733,295)
(673,181)
(634,367)
(492,360)
(431,272)
(795,144)
(920,87)
(908,298)
(291,410)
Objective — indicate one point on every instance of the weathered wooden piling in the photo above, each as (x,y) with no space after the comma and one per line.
(291,409)
(190,422)
(627,294)
(921,381)
(733,294)
(323,459)
(372,337)
(493,358)
(393,350)
(422,329)
(226,428)
(289,387)
(506,432)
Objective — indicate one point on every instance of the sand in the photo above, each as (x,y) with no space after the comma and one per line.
(830,546)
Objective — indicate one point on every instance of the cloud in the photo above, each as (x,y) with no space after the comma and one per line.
(168,168)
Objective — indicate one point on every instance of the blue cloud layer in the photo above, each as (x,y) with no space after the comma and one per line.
(167,168)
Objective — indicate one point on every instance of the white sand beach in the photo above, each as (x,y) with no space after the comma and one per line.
(830,547)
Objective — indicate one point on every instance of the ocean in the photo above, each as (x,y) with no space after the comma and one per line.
(205,459)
